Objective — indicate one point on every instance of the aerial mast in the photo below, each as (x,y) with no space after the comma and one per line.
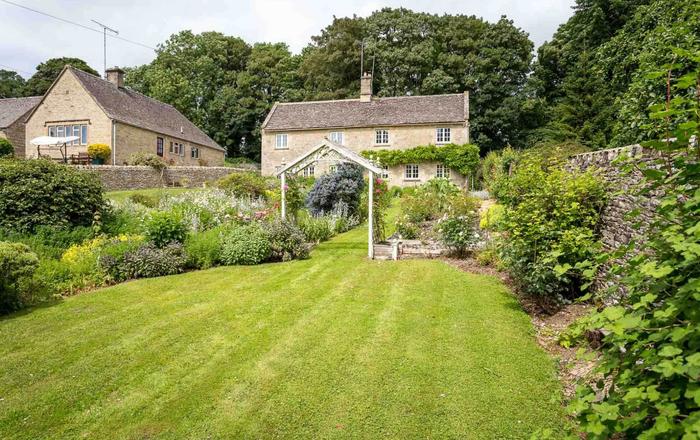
(105,28)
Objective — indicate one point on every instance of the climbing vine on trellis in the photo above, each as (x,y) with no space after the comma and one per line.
(462,158)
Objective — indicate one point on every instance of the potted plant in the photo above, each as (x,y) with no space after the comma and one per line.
(99,153)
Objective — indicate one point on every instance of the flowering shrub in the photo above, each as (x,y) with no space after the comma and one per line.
(345,185)
(458,233)
(203,210)
(406,229)
(247,244)
(165,227)
(99,151)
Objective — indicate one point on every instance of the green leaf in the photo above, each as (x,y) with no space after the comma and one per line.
(652,270)
(670,351)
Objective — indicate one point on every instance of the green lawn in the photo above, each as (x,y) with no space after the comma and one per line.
(331,347)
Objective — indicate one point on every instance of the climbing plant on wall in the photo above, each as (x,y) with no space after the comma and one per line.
(462,158)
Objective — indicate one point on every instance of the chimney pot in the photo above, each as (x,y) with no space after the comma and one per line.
(366,87)
(115,75)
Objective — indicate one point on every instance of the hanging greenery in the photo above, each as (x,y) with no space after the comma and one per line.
(462,158)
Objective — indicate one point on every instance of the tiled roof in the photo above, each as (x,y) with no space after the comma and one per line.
(12,109)
(131,107)
(404,110)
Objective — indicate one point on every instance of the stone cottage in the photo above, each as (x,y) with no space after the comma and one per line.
(13,113)
(368,123)
(105,111)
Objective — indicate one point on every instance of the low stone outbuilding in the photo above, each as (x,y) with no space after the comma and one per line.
(13,113)
(105,111)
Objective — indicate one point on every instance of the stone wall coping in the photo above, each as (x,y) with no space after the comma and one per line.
(168,168)
(634,149)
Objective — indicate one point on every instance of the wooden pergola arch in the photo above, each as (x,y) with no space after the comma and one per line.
(330,151)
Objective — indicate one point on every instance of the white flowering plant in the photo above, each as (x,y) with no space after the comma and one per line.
(458,233)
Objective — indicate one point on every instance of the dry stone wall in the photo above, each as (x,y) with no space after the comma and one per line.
(617,228)
(143,177)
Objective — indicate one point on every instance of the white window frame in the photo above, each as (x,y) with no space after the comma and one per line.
(411,171)
(194,153)
(381,137)
(333,168)
(281,141)
(441,171)
(385,172)
(337,136)
(443,135)
(309,171)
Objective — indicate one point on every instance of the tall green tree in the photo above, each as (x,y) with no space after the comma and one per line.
(192,72)
(415,53)
(48,71)
(11,84)
(270,75)
(591,75)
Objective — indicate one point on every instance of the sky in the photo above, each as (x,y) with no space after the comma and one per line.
(28,38)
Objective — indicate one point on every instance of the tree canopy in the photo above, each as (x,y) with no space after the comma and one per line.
(591,75)
(11,84)
(49,70)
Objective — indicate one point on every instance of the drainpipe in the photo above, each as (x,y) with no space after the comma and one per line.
(114,142)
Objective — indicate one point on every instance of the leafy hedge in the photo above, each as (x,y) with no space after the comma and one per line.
(6,148)
(548,229)
(462,158)
(650,363)
(41,192)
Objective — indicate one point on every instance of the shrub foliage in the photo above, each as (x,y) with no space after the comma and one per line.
(6,148)
(344,186)
(41,192)
(462,158)
(247,244)
(548,226)
(650,366)
(17,263)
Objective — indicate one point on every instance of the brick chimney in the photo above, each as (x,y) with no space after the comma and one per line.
(115,75)
(366,87)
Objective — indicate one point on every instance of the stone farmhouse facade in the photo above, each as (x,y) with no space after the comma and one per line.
(366,124)
(105,111)
(13,113)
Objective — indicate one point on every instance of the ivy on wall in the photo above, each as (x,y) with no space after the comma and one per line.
(462,158)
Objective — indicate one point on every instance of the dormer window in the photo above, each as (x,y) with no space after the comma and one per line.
(443,135)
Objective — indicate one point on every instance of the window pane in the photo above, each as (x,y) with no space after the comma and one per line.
(52,131)
(281,141)
(83,135)
(337,137)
